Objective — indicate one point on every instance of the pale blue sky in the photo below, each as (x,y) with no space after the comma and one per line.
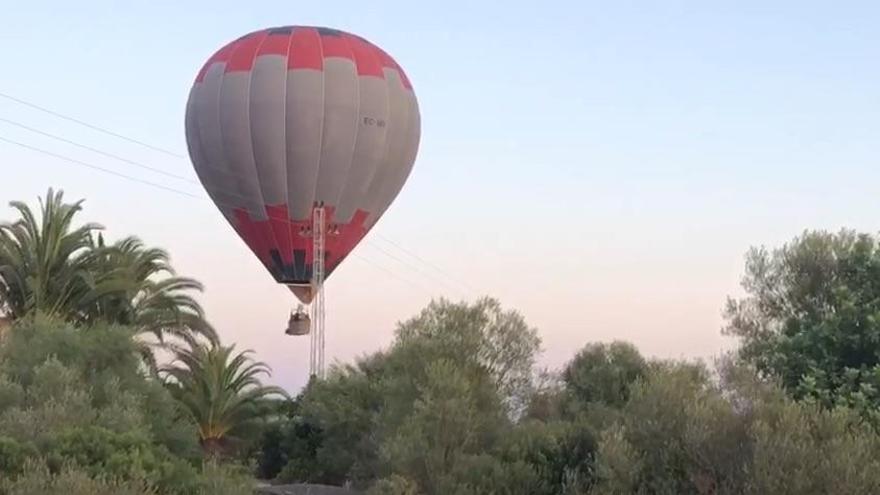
(601,166)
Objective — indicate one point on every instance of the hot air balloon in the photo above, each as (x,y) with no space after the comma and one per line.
(302,137)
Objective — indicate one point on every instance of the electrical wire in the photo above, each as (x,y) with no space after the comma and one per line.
(90,126)
(178,191)
(461,285)
(96,150)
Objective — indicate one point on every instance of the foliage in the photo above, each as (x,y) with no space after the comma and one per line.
(691,444)
(439,432)
(14,455)
(559,453)
(48,266)
(36,478)
(79,416)
(394,485)
(432,414)
(225,479)
(455,366)
(598,379)
(453,406)
(288,450)
(498,342)
(811,318)
(220,389)
(45,265)
(421,418)
(683,434)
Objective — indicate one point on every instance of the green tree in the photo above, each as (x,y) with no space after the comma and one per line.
(221,391)
(50,267)
(498,342)
(811,318)
(143,292)
(366,417)
(678,434)
(79,399)
(601,375)
(440,431)
(45,264)
(682,433)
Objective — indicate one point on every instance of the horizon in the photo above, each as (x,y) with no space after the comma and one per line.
(608,190)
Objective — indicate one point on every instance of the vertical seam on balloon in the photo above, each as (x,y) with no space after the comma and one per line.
(194,138)
(413,111)
(357,127)
(196,142)
(225,169)
(227,172)
(405,126)
(323,118)
(215,167)
(321,139)
(385,160)
(244,197)
(288,218)
(250,78)
(382,159)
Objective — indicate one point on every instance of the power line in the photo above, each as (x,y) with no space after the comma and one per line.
(104,153)
(96,150)
(392,274)
(178,191)
(90,126)
(177,155)
(96,167)
(413,268)
(425,262)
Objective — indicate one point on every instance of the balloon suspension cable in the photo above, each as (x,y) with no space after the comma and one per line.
(316,356)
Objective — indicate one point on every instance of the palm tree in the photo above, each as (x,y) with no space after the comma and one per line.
(45,265)
(142,290)
(221,390)
(49,267)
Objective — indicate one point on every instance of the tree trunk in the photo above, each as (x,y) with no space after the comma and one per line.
(213,447)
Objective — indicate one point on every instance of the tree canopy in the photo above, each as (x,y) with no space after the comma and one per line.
(455,404)
(50,266)
(811,318)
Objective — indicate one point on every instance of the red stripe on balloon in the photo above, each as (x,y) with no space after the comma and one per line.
(305,50)
(335,46)
(245,52)
(350,236)
(365,57)
(280,223)
(221,55)
(301,242)
(260,237)
(384,58)
(390,63)
(275,44)
(248,231)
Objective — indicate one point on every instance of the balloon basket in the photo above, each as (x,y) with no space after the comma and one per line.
(299,323)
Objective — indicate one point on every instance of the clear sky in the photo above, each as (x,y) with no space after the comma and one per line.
(600,166)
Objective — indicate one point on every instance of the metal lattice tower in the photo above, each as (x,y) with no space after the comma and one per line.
(316,356)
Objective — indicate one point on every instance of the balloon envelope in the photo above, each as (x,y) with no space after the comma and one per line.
(284,119)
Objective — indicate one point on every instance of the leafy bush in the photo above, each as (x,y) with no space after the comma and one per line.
(14,455)
(445,390)
(69,479)
(810,318)
(683,434)
(36,478)
(79,415)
